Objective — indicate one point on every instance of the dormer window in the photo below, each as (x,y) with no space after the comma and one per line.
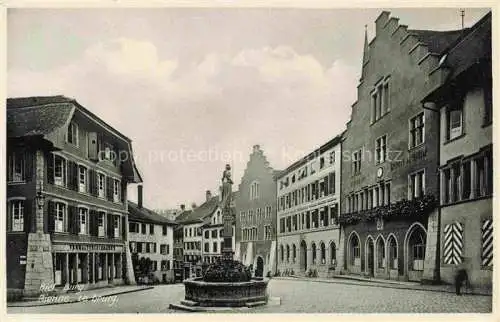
(72,135)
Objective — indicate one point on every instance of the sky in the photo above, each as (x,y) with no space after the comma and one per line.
(196,88)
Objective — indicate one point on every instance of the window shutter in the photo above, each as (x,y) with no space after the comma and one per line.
(92,146)
(50,217)
(92,218)
(9,216)
(326,186)
(110,225)
(50,168)
(92,182)
(71,219)
(123,192)
(27,216)
(28,166)
(123,228)
(109,188)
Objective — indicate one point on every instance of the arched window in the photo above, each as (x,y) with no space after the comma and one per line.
(333,253)
(282,253)
(355,258)
(380,253)
(323,253)
(313,247)
(287,253)
(294,253)
(393,252)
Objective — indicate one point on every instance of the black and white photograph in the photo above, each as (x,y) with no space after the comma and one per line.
(248,159)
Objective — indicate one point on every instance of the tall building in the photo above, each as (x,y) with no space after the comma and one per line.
(390,185)
(151,236)
(67,180)
(255,206)
(463,100)
(309,237)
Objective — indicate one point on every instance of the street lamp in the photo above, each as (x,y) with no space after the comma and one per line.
(40,199)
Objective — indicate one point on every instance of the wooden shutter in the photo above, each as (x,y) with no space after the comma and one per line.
(50,168)
(109,188)
(50,217)
(325,183)
(92,219)
(123,192)
(28,166)
(29,216)
(73,178)
(92,146)
(71,219)
(92,182)
(124,228)
(9,216)
(109,221)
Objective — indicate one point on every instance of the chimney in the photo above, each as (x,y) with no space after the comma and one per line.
(256,148)
(183,207)
(209,195)
(139,196)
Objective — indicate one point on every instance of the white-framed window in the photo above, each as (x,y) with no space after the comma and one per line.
(381,149)
(116,226)
(82,178)
(59,170)
(254,190)
(101,185)
(16,165)
(72,135)
(101,224)
(455,123)
(332,157)
(416,183)
(83,218)
(356,162)
(116,190)
(17,214)
(417,130)
(59,217)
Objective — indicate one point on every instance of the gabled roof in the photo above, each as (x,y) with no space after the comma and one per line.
(199,213)
(437,41)
(145,215)
(37,120)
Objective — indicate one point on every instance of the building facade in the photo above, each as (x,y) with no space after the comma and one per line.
(66,196)
(255,207)
(390,184)
(151,236)
(464,102)
(309,236)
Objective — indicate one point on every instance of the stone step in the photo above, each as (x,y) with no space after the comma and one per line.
(254,304)
(182,307)
(189,303)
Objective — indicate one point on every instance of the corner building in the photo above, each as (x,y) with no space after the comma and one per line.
(67,206)
(390,157)
(464,103)
(309,235)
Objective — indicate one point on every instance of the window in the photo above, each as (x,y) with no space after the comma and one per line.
(16,167)
(148,248)
(164,230)
(116,190)
(17,214)
(108,151)
(332,157)
(214,233)
(143,229)
(313,246)
(416,185)
(101,185)
(321,162)
(151,229)
(83,220)
(454,126)
(59,170)
(133,247)
(356,162)
(82,178)
(417,130)
(355,258)
(254,191)
(60,215)
(215,247)
(163,249)
(268,212)
(207,234)
(72,135)
(380,101)
(116,226)
(381,149)
(206,247)
(100,223)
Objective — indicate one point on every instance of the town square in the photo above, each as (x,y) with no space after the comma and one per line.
(249,160)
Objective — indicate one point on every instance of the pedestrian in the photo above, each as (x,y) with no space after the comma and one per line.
(460,278)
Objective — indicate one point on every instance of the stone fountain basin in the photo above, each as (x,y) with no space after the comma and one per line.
(226,294)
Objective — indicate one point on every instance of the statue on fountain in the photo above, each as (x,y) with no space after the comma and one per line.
(226,269)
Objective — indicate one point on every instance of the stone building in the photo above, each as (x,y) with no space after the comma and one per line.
(309,237)
(255,206)
(151,236)
(390,185)
(463,100)
(67,180)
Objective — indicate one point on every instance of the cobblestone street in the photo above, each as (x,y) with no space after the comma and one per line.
(295,298)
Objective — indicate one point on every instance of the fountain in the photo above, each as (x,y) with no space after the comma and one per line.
(227,283)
